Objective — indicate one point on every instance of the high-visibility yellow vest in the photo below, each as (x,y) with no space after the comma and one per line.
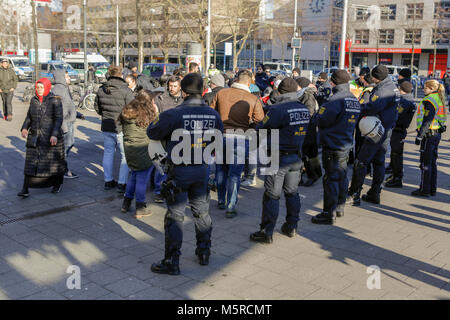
(440,116)
(360,98)
(355,89)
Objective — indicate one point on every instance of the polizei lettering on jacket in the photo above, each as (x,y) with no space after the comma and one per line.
(298,116)
(193,122)
(352,105)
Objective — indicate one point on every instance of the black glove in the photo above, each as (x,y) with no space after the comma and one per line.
(418,141)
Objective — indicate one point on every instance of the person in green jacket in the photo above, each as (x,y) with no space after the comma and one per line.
(8,83)
(135,118)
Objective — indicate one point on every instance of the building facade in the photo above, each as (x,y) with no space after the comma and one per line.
(391,34)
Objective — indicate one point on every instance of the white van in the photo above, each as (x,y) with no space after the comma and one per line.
(21,66)
(279,68)
(99,63)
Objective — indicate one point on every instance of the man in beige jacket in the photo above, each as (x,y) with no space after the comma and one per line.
(238,109)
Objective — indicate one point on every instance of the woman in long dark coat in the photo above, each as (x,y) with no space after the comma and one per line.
(44,160)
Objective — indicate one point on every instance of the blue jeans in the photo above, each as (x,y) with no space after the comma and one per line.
(286,180)
(137,184)
(112,141)
(69,140)
(193,182)
(228,175)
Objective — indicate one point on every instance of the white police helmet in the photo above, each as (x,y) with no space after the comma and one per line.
(371,128)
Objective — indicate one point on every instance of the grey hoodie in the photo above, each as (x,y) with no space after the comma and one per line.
(61,89)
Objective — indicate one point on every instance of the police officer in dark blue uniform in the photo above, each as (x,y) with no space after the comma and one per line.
(324,88)
(188,174)
(383,104)
(291,118)
(336,120)
(406,110)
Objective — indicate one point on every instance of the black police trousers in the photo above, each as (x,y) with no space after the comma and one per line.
(428,162)
(335,181)
(193,184)
(397,144)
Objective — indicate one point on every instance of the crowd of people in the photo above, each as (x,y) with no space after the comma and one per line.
(346,121)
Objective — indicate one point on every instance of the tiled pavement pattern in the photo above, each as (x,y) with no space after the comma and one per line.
(407,238)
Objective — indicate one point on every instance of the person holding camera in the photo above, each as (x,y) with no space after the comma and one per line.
(431,117)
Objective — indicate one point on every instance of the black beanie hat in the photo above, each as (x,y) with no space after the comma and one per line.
(406,87)
(303,82)
(132,65)
(340,77)
(287,85)
(364,71)
(405,73)
(368,78)
(192,83)
(380,72)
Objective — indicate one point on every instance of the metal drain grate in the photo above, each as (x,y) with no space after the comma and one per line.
(39,214)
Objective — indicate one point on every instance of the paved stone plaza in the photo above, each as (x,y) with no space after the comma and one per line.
(42,236)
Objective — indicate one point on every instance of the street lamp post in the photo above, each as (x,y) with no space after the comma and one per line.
(295,34)
(343,36)
(85,45)
(117,34)
(208,39)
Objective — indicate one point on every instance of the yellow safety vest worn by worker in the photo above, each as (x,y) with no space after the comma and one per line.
(360,98)
(355,89)
(439,117)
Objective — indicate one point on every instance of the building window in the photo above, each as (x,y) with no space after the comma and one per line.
(361,14)
(414,11)
(442,10)
(386,36)
(406,59)
(258,46)
(441,36)
(388,12)
(362,37)
(247,46)
(411,34)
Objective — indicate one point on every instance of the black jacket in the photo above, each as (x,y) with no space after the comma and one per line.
(61,89)
(210,95)
(109,102)
(45,120)
(406,110)
(166,101)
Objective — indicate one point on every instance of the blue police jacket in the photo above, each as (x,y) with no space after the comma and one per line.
(291,118)
(194,116)
(406,110)
(383,103)
(337,118)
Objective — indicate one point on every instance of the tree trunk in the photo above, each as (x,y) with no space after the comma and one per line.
(140,37)
(35,40)
(235,58)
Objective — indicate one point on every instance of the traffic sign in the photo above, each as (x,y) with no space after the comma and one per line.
(296,43)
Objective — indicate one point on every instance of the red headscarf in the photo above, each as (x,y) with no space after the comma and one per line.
(47,87)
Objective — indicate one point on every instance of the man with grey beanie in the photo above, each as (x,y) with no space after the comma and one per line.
(216,83)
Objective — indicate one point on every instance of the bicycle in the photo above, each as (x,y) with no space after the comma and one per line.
(87,99)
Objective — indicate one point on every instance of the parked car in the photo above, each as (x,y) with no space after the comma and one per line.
(47,68)
(279,68)
(21,66)
(156,70)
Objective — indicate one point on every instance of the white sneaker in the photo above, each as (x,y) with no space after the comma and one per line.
(248,183)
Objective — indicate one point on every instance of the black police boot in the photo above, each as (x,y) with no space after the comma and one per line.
(420,193)
(354,199)
(394,183)
(126,204)
(203,258)
(261,237)
(24,193)
(388,169)
(287,231)
(323,218)
(166,266)
(372,197)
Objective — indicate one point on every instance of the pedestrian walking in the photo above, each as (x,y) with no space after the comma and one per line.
(109,102)
(187,180)
(406,110)
(8,83)
(431,118)
(238,109)
(336,121)
(383,103)
(291,118)
(61,90)
(135,118)
(44,158)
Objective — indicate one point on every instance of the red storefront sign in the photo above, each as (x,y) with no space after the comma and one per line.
(385,50)
(71,50)
(441,64)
